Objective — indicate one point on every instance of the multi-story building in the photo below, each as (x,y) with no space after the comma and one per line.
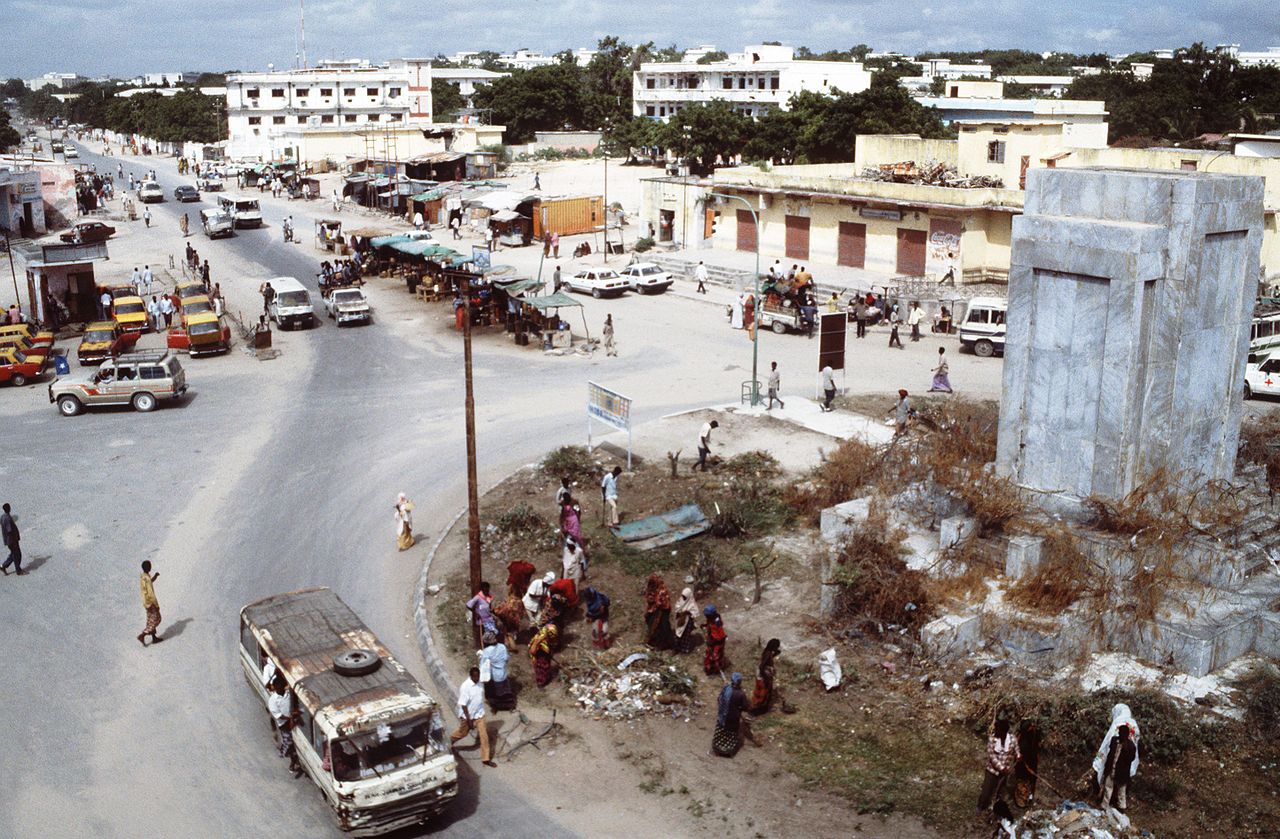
(753,82)
(934,68)
(58,80)
(1270,56)
(352,95)
(467,79)
(167,79)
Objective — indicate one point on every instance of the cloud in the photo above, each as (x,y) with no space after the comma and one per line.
(128,37)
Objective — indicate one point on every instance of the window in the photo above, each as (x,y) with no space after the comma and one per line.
(955,91)
(302,92)
(152,372)
(348,117)
(327,118)
(252,93)
(649,83)
(648,110)
(348,91)
(1188,166)
(277,92)
(773,83)
(277,120)
(742,83)
(326,91)
(372,91)
(995,152)
(726,83)
(302,120)
(255,120)
(393,92)
(393,117)
(249,642)
(371,118)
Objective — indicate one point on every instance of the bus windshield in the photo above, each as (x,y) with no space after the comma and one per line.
(389,747)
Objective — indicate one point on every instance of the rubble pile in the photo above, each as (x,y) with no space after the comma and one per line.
(930,173)
(1072,818)
(633,692)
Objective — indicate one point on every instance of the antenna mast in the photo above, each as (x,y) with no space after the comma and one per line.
(302,20)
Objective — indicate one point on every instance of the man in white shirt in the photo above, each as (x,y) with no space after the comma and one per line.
(166,310)
(609,489)
(775,386)
(136,281)
(704,444)
(700,274)
(280,706)
(471,715)
(913,319)
(828,387)
(147,279)
(153,313)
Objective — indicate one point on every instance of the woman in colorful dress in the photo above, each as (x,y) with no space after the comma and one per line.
(657,614)
(597,603)
(404,522)
(542,650)
(762,696)
(714,661)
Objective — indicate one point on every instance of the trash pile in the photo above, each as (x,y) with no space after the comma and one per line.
(930,173)
(1072,818)
(633,692)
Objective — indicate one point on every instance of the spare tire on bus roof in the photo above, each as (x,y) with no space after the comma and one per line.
(356,662)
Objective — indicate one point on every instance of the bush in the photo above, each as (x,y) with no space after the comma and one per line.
(876,587)
(520,519)
(643,244)
(574,463)
(1061,579)
(1260,695)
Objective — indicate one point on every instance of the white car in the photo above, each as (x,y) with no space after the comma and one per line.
(70,153)
(348,305)
(1263,379)
(598,282)
(647,278)
(150,192)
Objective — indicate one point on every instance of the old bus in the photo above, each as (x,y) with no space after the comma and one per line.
(366,733)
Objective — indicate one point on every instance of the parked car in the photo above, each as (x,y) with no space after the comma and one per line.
(186,193)
(102,340)
(88,231)
(140,379)
(36,336)
(150,193)
(348,305)
(1263,378)
(71,153)
(201,333)
(17,368)
(130,312)
(647,278)
(22,342)
(216,223)
(189,288)
(598,282)
(195,305)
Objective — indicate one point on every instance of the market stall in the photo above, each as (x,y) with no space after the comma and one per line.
(329,235)
(545,320)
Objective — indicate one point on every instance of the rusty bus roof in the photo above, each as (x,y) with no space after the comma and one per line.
(303,631)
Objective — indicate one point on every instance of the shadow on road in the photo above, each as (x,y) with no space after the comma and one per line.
(36,562)
(176,628)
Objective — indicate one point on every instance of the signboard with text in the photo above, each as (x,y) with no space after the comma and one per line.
(612,409)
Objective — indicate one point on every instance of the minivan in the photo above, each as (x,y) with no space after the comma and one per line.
(245,211)
(983,328)
(292,304)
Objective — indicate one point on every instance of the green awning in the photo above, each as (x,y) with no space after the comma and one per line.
(415,247)
(514,287)
(383,241)
(429,195)
(551,301)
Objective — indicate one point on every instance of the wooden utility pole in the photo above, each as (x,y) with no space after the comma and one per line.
(473,492)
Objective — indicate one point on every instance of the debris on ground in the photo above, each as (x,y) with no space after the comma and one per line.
(930,173)
(648,686)
(1073,818)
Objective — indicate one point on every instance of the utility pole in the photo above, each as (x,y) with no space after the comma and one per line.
(473,492)
(606,206)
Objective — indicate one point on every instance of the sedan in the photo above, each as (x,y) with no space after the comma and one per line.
(150,192)
(598,282)
(186,193)
(88,231)
(647,278)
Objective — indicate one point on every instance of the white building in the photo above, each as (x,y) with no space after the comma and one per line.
(348,94)
(467,79)
(1270,56)
(759,79)
(166,79)
(58,80)
(1043,85)
(933,68)
(1084,120)
(1255,145)
(523,59)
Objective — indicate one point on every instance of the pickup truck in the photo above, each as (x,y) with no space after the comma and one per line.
(781,319)
(347,304)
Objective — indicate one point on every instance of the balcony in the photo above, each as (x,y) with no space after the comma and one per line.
(677,94)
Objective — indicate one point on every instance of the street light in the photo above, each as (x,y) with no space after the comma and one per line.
(755,310)
(606,205)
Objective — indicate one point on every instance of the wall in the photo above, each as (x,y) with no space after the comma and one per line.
(973,90)
(1036,142)
(875,149)
(686,202)
(1257,148)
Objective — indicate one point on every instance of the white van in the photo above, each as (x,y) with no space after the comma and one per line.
(983,328)
(245,211)
(292,304)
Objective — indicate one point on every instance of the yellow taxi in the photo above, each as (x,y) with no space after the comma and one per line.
(201,333)
(22,342)
(130,313)
(26,329)
(102,340)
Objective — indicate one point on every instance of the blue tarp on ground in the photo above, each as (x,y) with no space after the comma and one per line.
(663,529)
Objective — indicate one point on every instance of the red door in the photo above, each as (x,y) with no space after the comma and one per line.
(746,231)
(797,237)
(911,248)
(852,245)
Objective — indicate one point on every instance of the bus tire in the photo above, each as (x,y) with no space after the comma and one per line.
(356,662)
(984,348)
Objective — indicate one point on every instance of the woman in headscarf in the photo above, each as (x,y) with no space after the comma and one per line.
(542,650)
(713,661)
(941,378)
(480,607)
(727,738)
(498,689)
(572,559)
(762,696)
(686,614)
(597,603)
(404,522)
(571,520)
(1120,717)
(657,613)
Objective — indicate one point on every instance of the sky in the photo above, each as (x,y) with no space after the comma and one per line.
(129,37)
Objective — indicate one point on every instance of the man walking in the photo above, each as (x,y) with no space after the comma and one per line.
(828,388)
(775,385)
(104,305)
(150,603)
(146,216)
(153,313)
(147,279)
(913,320)
(136,281)
(455,224)
(166,310)
(268,297)
(609,489)
(12,541)
(704,444)
(860,318)
(610,347)
(471,715)
(555,279)
(895,320)
(700,274)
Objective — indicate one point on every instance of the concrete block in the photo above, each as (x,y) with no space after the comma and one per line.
(952,531)
(836,522)
(1023,556)
(951,635)
(1267,641)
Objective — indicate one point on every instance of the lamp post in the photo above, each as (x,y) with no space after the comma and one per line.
(684,199)
(606,205)
(755,310)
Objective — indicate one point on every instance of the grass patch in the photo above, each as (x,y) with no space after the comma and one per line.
(451,627)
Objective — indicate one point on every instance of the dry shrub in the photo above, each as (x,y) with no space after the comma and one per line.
(1257,442)
(1160,508)
(850,469)
(876,586)
(972,564)
(996,504)
(1064,575)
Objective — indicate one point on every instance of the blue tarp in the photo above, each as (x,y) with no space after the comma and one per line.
(383,241)
(663,529)
(415,247)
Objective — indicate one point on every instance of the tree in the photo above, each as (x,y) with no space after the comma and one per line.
(13,89)
(827,126)
(702,133)
(545,98)
(713,56)
(9,136)
(446,101)
(622,137)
